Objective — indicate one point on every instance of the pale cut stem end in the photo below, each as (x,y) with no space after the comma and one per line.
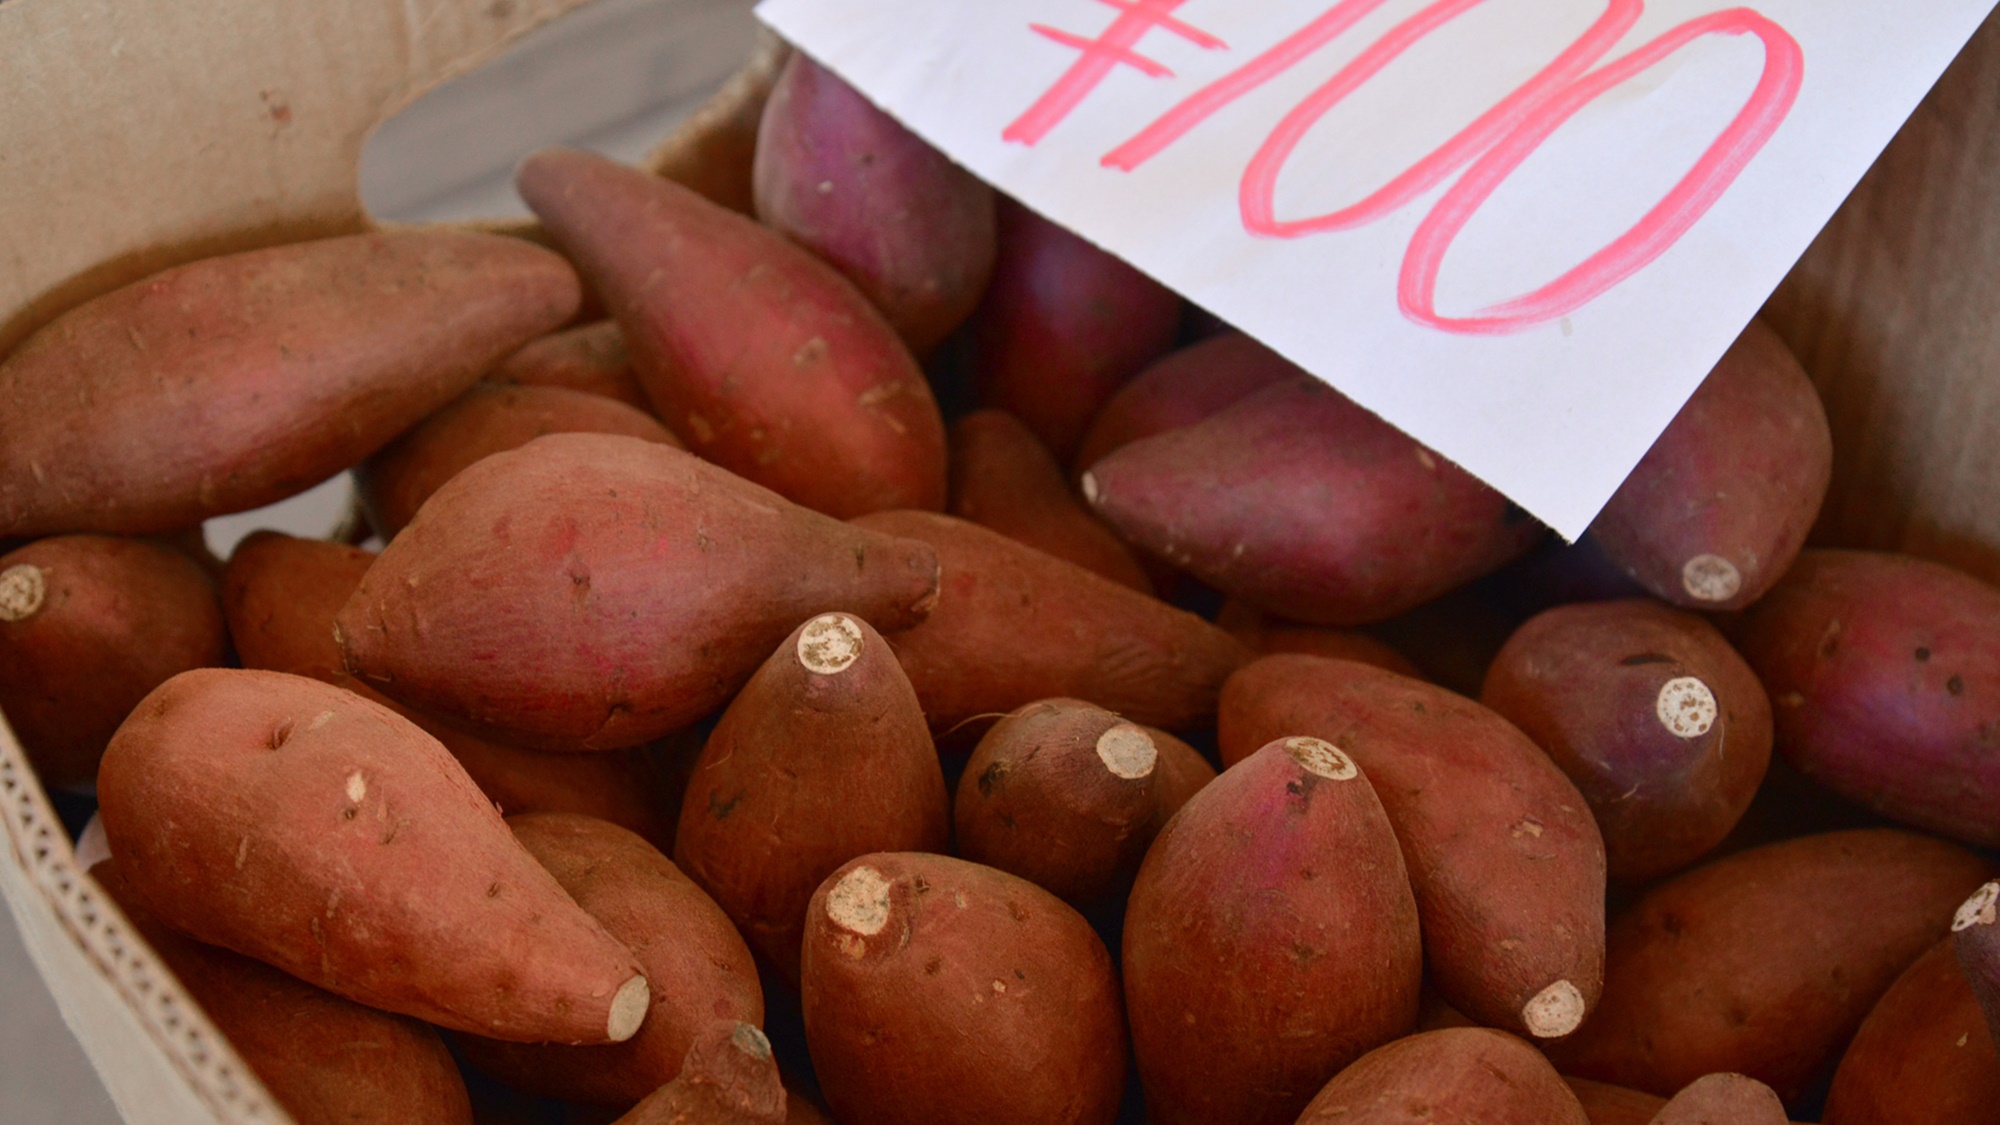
(1322,758)
(750,1041)
(1554,1012)
(22,589)
(1979,910)
(628,1009)
(859,902)
(829,644)
(1127,752)
(1091,493)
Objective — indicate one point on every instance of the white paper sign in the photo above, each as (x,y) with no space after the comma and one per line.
(1520,230)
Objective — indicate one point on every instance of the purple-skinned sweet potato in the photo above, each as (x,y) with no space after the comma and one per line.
(1182,388)
(1660,724)
(588,591)
(1975,931)
(233,382)
(1507,864)
(304,826)
(1453,1076)
(1923,1054)
(1301,503)
(88,625)
(758,355)
(1720,505)
(1884,675)
(591,358)
(1062,327)
(727,1078)
(1270,940)
(1723,1099)
(912,230)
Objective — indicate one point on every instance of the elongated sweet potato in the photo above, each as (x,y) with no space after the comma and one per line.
(1976,937)
(485,420)
(823,756)
(757,354)
(1765,962)
(728,1078)
(1182,388)
(1300,502)
(1268,636)
(1271,939)
(1003,478)
(1723,1099)
(1884,674)
(1717,510)
(88,625)
(1659,723)
(1606,1104)
(698,967)
(1507,864)
(591,591)
(1013,625)
(1923,1054)
(1455,1076)
(328,1061)
(233,382)
(591,358)
(912,230)
(311,829)
(1063,326)
(940,992)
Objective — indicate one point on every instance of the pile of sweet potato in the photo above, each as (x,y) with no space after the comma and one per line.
(711,677)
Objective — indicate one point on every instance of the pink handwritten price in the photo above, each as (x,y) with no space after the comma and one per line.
(1487,151)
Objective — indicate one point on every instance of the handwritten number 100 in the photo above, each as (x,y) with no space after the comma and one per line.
(1488,150)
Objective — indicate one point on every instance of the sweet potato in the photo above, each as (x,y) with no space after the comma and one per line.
(1606,1104)
(1659,723)
(698,967)
(728,1078)
(88,625)
(591,358)
(1300,502)
(304,826)
(1270,940)
(1507,865)
(1182,388)
(1178,775)
(1013,625)
(1723,1099)
(485,420)
(1268,636)
(229,383)
(1063,325)
(592,591)
(1003,478)
(912,231)
(714,151)
(1456,1076)
(1923,1054)
(1976,938)
(940,992)
(757,354)
(1884,674)
(328,1061)
(1718,508)
(1765,962)
(823,756)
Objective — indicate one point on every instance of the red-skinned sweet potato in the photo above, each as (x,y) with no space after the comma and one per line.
(757,354)
(1300,502)
(1455,1076)
(1923,1054)
(1659,723)
(1180,773)
(940,992)
(591,358)
(300,824)
(1764,963)
(1268,636)
(232,382)
(1182,388)
(1004,478)
(88,625)
(1507,864)
(727,1078)
(596,592)
(1723,1099)
(1606,1104)
(913,231)
(1270,940)
(1013,625)
(1719,507)
(1884,674)
(485,420)
(1063,326)
(697,966)
(1976,937)
(823,756)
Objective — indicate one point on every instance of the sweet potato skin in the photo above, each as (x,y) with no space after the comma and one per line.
(588,591)
(1182,388)
(234,382)
(728,1078)
(1661,725)
(88,625)
(299,824)
(1606,1104)
(1723,1099)
(940,992)
(1507,864)
(1454,1076)
(1257,964)
(1182,772)
(1268,636)
(591,358)
(1976,938)
(1923,1054)
(1884,674)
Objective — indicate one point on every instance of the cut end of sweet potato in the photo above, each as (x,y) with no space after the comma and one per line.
(1322,758)
(22,589)
(1979,910)
(747,1039)
(1089,486)
(628,1009)
(859,903)
(1553,1012)
(1127,751)
(1686,707)
(1711,578)
(830,644)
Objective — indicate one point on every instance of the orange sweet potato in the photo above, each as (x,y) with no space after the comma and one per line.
(1975,935)
(757,354)
(1723,1099)
(1606,1104)
(728,1078)
(591,358)
(233,382)
(1182,388)
(304,826)
(1454,1076)
(1271,939)
(593,591)
(940,992)
(88,625)
(1507,864)
(1923,1054)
